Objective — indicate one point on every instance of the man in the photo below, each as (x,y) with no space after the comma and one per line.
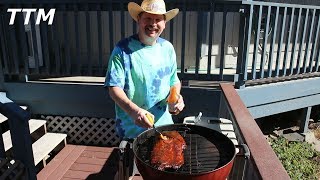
(141,70)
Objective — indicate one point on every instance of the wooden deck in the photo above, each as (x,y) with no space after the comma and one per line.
(82,162)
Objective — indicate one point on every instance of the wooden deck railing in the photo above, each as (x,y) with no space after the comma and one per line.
(280,40)
(263,163)
(84,33)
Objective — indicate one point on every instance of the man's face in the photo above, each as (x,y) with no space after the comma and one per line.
(151,25)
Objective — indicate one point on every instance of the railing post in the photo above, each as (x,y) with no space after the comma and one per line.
(2,49)
(20,133)
(241,58)
(305,119)
(2,151)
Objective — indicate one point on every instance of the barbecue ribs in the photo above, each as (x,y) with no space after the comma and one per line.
(168,153)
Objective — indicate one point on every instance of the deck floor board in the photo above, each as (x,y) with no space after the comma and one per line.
(86,167)
(66,164)
(89,160)
(45,173)
(82,162)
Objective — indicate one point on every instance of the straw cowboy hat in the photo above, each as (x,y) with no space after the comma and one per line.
(152,7)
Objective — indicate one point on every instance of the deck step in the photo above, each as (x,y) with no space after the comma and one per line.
(3,118)
(34,124)
(43,146)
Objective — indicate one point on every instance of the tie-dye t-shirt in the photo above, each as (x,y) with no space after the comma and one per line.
(145,73)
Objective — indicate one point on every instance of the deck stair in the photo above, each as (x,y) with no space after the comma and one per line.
(43,145)
(34,124)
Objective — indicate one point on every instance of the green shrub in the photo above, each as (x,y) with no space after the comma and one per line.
(297,158)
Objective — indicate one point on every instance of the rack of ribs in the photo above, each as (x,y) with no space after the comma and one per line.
(168,152)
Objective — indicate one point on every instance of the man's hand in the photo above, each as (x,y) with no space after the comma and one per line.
(140,118)
(178,107)
(136,113)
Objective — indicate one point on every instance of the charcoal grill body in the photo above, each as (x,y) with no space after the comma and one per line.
(209,154)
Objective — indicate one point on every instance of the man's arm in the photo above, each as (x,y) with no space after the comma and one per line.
(178,87)
(135,112)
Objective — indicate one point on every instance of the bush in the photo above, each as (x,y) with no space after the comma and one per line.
(298,158)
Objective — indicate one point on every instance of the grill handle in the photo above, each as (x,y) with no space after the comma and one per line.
(244,151)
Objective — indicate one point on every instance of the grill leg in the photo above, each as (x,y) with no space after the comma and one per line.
(126,164)
(123,169)
(134,171)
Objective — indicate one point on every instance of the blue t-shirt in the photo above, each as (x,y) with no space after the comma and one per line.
(145,73)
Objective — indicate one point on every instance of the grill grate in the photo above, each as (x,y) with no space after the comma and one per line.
(201,155)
